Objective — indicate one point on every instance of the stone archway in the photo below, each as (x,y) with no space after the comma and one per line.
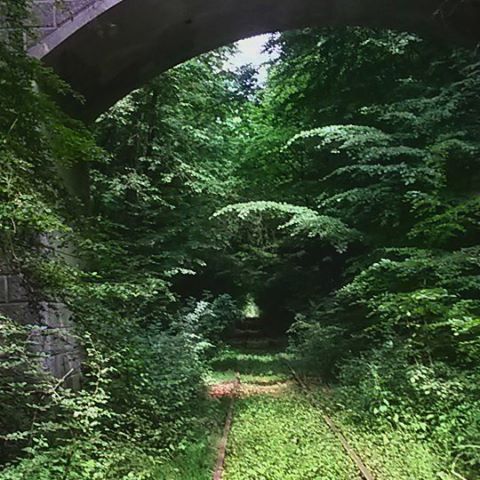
(106,48)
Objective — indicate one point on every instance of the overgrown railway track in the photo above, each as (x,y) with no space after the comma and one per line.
(222,447)
(218,474)
(364,471)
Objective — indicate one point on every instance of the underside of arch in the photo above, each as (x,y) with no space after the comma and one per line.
(115,46)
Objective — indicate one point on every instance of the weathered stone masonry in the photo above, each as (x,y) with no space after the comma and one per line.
(107,48)
(49,15)
(52,330)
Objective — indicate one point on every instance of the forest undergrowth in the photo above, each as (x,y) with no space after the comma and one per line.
(340,196)
(280,433)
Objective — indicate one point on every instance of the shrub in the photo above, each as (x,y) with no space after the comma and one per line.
(211,318)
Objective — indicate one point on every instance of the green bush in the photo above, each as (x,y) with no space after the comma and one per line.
(389,386)
(211,318)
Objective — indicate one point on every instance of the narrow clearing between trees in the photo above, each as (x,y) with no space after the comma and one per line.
(276,432)
(277,429)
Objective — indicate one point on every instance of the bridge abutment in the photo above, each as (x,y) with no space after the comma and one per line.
(51,334)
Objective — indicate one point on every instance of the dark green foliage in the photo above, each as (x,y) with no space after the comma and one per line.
(342,196)
(37,144)
(400,166)
(143,395)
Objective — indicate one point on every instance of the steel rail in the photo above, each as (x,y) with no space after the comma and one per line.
(364,470)
(222,447)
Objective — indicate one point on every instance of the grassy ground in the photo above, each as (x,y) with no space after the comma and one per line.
(283,438)
(279,435)
(392,453)
(197,458)
(254,366)
(396,455)
(196,463)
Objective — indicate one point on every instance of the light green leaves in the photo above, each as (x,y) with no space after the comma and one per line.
(296,221)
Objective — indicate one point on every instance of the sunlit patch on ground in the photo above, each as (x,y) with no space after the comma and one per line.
(233,389)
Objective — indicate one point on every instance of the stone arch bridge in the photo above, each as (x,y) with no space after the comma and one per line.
(107,48)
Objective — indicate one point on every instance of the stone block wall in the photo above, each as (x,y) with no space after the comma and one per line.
(47,16)
(59,351)
(53,336)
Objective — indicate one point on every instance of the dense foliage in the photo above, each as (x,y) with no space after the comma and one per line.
(389,195)
(342,196)
(143,394)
